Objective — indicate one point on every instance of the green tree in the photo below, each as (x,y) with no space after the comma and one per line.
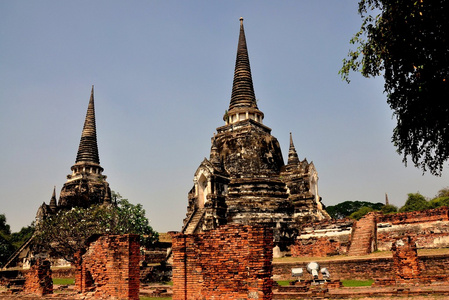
(407,41)
(6,248)
(415,201)
(4,227)
(65,233)
(389,209)
(444,192)
(357,215)
(441,199)
(18,238)
(345,209)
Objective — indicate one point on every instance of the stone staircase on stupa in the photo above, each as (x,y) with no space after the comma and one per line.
(363,236)
(194,221)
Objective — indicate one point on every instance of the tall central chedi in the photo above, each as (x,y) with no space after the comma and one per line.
(245,179)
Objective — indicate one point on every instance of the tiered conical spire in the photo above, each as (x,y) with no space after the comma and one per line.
(53,199)
(88,149)
(242,87)
(292,155)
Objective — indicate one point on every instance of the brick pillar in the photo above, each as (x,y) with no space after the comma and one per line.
(38,279)
(110,267)
(405,260)
(231,262)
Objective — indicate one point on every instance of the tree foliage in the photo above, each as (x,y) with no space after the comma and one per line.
(6,248)
(345,209)
(415,201)
(65,233)
(357,215)
(408,42)
(4,227)
(389,209)
(441,199)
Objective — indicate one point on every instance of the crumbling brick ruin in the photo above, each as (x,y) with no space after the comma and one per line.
(405,260)
(231,262)
(245,179)
(38,279)
(428,228)
(110,267)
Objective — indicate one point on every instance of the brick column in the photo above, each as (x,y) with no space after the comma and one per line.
(405,260)
(38,279)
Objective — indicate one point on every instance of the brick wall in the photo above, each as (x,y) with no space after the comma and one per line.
(429,215)
(327,238)
(231,262)
(110,267)
(38,278)
(318,247)
(428,228)
(363,269)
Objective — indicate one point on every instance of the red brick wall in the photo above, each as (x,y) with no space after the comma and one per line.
(38,279)
(363,269)
(430,215)
(428,228)
(318,247)
(110,267)
(231,262)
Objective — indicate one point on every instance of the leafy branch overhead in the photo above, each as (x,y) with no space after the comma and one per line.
(407,41)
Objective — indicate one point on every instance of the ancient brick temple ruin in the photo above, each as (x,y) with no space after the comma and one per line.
(245,179)
(86,185)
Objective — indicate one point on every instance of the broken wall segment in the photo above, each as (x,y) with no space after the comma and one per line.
(110,267)
(231,262)
(38,279)
(405,260)
(428,228)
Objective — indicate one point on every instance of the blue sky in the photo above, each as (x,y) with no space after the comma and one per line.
(163,72)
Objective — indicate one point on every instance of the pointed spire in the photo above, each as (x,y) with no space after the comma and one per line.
(88,149)
(53,199)
(214,155)
(387,202)
(292,155)
(242,87)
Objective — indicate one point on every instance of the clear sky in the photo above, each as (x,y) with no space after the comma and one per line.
(163,74)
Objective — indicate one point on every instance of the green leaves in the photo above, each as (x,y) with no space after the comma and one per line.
(66,232)
(407,42)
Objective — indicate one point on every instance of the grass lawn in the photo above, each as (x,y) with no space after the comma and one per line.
(283,282)
(64,281)
(353,283)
